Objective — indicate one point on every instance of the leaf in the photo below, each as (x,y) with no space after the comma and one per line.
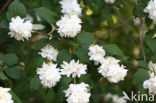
(13,72)
(143,64)
(50,96)
(85,38)
(2,76)
(40,44)
(16,8)
(63,85)
(63,55)
(10,59)
(82,53)
(139,10)
(46,14)
(151,42)
(35,83)
(113,49)
(38,27)
(15,97)
(140,76)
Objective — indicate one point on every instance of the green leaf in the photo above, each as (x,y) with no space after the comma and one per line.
(35,83)
(13,72)
(63,85)
(46,14)
(40,44)
(15,97)
(82,53)
(140,76)
(50,96)
(63,55)
(113,49)
(143,64)
(151,42)
(2,76)
(10,59)
(16,8)
(85,38)
(139,10)
(38,27)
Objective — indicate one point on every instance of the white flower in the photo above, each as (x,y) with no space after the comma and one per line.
(110,1)
(5,96)
(152,68)
(70,7)
(106,64)
(69,26)
(20,29)
(112,70)
(116,73)
(77,93)
(49,52)
(150,85)
(96,53)
(151,9)
(49,75)
(137,21)
(73,68)
(115,98)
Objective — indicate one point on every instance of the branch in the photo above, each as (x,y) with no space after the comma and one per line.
(5,6)
(141,41)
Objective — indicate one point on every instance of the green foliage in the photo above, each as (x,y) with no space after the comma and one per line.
(35,83)
(48,15)
(10,59)
(109,25)
(13,72)
(63,55)
(15,9)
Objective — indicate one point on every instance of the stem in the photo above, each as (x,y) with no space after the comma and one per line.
(141,41)
(5,6)
(74,80)
(42,34)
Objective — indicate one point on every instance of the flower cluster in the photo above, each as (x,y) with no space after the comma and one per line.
(150,84)
(69,25)
(5,96)
(77,93)
(49,75)
(115,98)
(110,67)
(49,52)
(20,29)
(151,9)
(73,68)
(110,1)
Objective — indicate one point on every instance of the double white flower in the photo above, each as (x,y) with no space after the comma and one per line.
(49,75)
(70,23)
(49,52)
(20,29)
(151,9)
(5,96)
(73,68)
(150,84)
(110,67)
(77,93)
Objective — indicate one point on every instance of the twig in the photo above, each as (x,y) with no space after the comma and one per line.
(74,80)
(141,41)
(5,6)
(42,34)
